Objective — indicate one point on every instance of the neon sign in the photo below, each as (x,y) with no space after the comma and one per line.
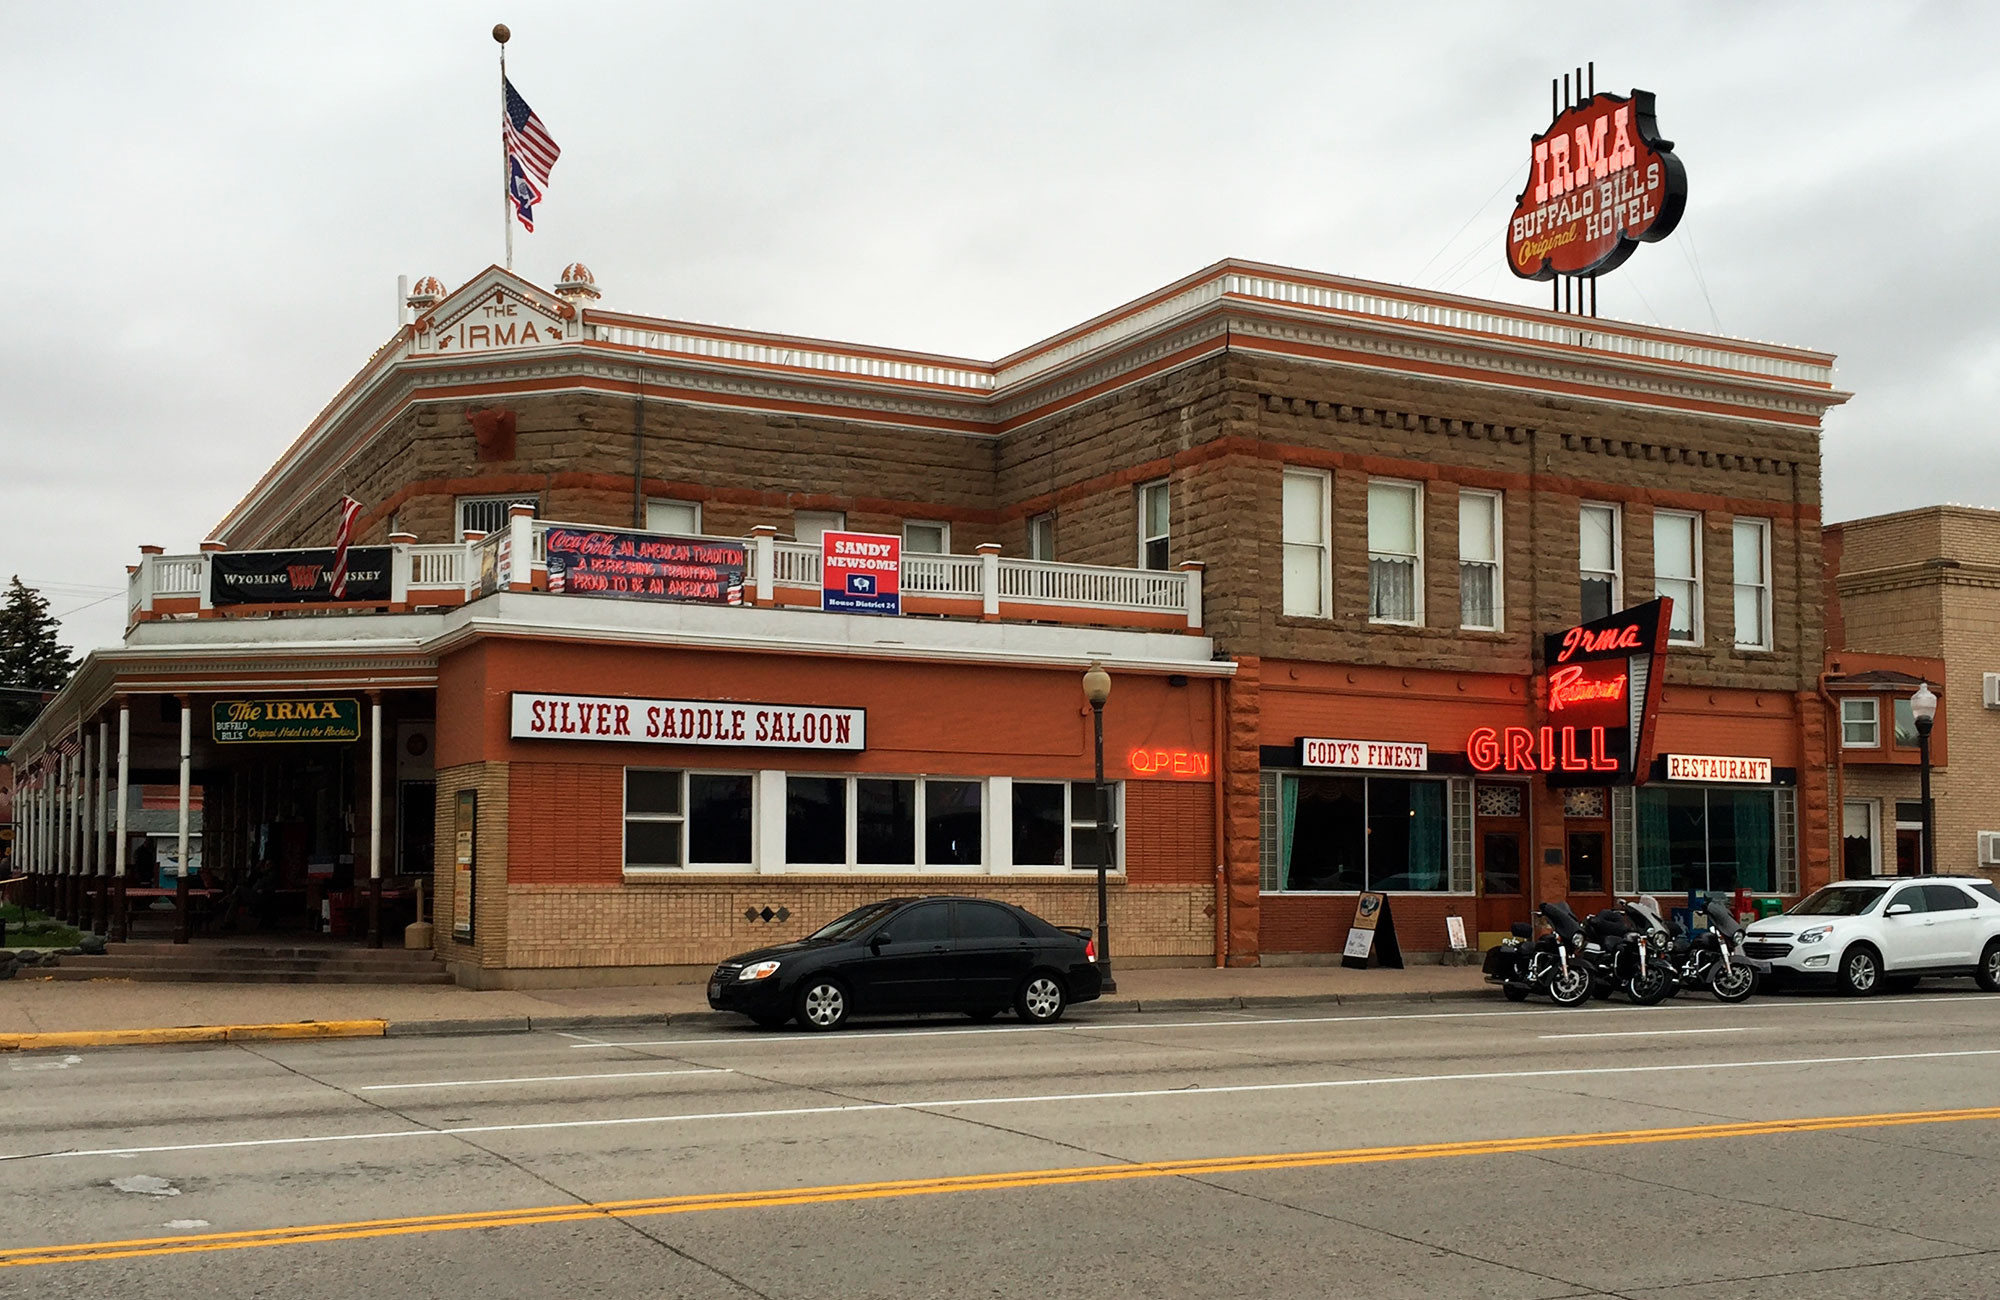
(1578,685)
(1541,749)
(1602,692)
(1168,762)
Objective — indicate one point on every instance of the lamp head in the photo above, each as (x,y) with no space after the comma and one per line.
(1923,706)
(1096,685)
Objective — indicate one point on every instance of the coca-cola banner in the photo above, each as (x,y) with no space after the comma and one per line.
(645,566)
(295,577)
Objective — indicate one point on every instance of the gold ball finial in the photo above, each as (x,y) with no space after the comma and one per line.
(500,33)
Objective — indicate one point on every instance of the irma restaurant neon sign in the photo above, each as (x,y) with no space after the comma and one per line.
(1602,688)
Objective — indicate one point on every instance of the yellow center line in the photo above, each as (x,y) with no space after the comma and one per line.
(773,1198)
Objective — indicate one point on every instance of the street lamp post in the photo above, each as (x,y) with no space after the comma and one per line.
(1923,711)
(1097,689)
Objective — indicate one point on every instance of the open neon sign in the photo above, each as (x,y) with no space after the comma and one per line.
(1168,762)
(1540,749)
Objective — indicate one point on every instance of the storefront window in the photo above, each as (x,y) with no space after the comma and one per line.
(675,819)
(1690,837)
(719,818)
(952,824)
(885,822)
(1350,833)
(816,820)
(1083,837)
(1049,815)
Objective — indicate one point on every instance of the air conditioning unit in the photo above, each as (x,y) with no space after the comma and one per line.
(1993,690)
(1989,848)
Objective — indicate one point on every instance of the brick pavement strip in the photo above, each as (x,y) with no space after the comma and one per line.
(48,1014)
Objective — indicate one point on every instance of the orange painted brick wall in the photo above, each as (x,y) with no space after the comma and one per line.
(1170,836)
(566,824)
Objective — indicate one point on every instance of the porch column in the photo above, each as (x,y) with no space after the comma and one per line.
(181,927)
(103,825)
(86,879)
(124,800)
(375,814)
(66,839)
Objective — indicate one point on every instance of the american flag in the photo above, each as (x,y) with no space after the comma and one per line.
(528,141)
(350,509)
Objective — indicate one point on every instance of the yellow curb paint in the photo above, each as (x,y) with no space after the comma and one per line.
(193,1034)
(528,1216)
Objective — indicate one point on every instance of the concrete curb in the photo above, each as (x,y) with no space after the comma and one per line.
(194,1034)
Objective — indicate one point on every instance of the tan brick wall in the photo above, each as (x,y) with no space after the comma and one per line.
(490,893)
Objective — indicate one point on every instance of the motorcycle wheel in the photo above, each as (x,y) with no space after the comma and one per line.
(1651,987)
(1515,992)
(1570,988)
(1732,983)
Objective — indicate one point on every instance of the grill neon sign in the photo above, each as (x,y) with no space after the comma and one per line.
(1540,749)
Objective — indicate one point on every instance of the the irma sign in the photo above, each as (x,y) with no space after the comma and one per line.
(284,721)
(1600,180)
(688,722)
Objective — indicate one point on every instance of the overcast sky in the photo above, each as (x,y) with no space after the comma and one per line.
(209,204)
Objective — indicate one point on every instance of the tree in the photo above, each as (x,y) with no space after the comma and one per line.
(31,659)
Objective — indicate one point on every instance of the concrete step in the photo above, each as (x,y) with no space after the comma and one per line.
(66,971)
(292,965)
(291,952)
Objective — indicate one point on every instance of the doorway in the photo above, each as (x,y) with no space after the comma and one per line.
(1501,835)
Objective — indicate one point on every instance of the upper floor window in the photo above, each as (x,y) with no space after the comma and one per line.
(1904,721)
(1860,724)
(1153,525)
(809,525)
(489,514)
(926,538)
(1395,553)
(1042,537)
(1677,572)
(1599,561)
(1307,543)
(1750,557)
(1479,559)
(680,518)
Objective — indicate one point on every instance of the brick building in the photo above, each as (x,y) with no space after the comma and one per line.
(1279,506)
(1921,587)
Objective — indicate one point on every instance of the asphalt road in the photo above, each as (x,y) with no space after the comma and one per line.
(1788,1146)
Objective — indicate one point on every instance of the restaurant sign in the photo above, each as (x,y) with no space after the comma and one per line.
(1718,767)
(295,577)
(1600,179)
(1375,755)
(688,722)
(644,566)
(263,722)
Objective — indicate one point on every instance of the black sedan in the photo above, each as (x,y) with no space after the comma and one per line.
(914,954)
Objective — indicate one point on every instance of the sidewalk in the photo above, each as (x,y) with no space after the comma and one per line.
(30,1008)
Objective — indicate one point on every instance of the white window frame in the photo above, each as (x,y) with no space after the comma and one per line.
(1694,521)
(1873,807)
(1617,571)
(920,811)
(1499,500)
(673,503)
(1763,589)
(1873,721)
(684,817)
(818,520)
(1416,492)
(1073,819)
(1458,816)
(1038,526)
(501,499)
(1144,495)
(944,536)
(1322,483)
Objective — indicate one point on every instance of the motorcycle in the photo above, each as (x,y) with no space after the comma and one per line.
(1713,958)
(1552,963)
(1627,948)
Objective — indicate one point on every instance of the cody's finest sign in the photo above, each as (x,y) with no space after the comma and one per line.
(1602,691)
(1718,767)
(282,721)
(1600,180)
(295,577)
(1377,755)
(688,722)
(645,566)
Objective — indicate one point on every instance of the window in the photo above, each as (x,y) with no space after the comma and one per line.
(985,921)
(489,514)
(1479,559)
(1860,724)
(816,820)
(1860,842)
(897,821)
(1750,551)
(1586,862)
(1057,818)
(925,538)
(1343,834)
(925,923)
(952,824)
(1905,723)
(1042,537)
(1307,541)
(807,525)
(1395,557)
(1154,518)
(1947,898)
(679,518)
(1677,572)
(1599,561)
(682,819)
(885,822)
(1691,837)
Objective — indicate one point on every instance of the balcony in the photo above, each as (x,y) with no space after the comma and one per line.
(985,586)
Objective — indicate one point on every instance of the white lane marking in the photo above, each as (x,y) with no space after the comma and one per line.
(63,1064)
(1651,1033)
(955,1103)
(1141,1023)
(540,1078)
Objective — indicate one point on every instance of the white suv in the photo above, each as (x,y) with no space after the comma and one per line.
(1865,934)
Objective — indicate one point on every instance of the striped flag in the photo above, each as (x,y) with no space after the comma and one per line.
(528,141)
(350,510)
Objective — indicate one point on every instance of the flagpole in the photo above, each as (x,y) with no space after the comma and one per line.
(500,34)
